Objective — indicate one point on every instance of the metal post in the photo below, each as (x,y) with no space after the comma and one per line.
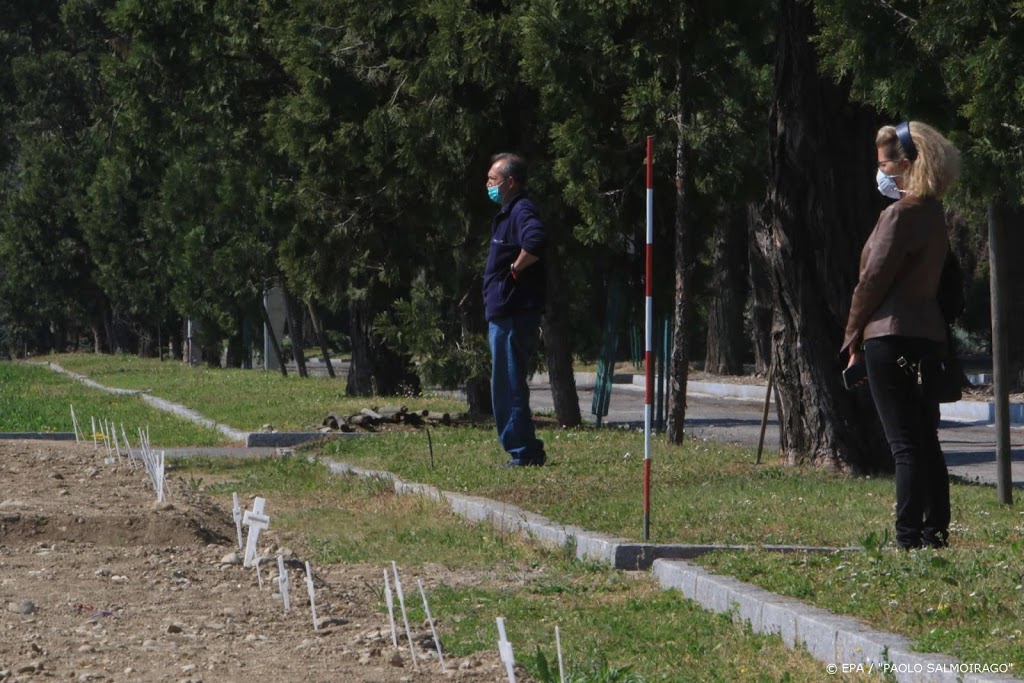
(649,334)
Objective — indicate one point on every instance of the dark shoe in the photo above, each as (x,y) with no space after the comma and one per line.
(534,461)
(937,540)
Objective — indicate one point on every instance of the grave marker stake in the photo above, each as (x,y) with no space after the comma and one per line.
(105,430)
(430,620)
(160,478)
(236,514)
(259,576)
(257,522)
(505,651)
(93,431)
(128,445)
(282,582)
(391,608)
(74,421)
(117,446)
(405,616)
(312,595)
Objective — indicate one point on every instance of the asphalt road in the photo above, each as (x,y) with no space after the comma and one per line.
(970,448)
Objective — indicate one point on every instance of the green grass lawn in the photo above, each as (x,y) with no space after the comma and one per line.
(243,399)
(35,399)
(963,601)
(609,620)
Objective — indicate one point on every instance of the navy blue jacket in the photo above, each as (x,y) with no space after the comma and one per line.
(516,226)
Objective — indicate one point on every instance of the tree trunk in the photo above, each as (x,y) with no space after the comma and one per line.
(474,341)
(726,342)
(294,315)
(235,351)
(360,370)
(557,341)
(822,205)
(393,372)
(760,303)
(318,329)
(682,313)
(274,341)
(478,398)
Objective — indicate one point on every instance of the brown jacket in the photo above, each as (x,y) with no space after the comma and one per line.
(900,267)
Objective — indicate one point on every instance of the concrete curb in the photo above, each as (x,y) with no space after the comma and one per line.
(38,436)
(156,402)
(621,553)
(829,638)
(288,439)
(193,416)
(86,381)
(250,439)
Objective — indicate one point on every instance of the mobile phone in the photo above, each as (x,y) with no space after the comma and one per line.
(853,375)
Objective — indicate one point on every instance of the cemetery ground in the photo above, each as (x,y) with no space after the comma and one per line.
(99,583)
(964,601)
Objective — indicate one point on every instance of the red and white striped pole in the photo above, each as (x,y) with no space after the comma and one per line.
(648,336)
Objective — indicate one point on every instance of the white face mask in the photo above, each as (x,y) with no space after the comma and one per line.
(887,185)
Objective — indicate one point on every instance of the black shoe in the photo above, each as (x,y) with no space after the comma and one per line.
(936,540)
(531,461)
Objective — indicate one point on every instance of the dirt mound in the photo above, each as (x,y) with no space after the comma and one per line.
(99,584)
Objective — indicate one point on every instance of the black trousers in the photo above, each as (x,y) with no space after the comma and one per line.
(910,421)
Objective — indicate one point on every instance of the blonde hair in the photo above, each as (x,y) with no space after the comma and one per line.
(937,164)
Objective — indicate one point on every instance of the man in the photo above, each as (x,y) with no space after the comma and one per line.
(513,303)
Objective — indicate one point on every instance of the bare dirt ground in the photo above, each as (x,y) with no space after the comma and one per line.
(97,583)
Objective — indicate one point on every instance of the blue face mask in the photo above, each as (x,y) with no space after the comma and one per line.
(494,193)
(887,185)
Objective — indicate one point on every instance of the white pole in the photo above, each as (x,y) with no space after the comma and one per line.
(505,651)
(74,422)
(282,582)
(430,620)
(117,446)
(561,664)
(106,441)
(236,514)
(128,445)
(160,478)
(312,596)
(93,431)
(391,608)
(405,616)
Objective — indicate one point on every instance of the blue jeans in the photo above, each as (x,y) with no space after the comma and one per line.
(512,339)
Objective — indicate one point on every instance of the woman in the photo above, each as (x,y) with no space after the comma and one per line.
(895,321)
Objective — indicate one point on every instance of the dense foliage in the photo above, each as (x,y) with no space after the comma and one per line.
(168,160)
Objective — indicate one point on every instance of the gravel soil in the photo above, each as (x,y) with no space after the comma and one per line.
(99,583)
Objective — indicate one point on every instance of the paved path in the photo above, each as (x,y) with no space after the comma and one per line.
(970,447)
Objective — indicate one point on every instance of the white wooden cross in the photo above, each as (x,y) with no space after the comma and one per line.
(257,522)
(282,582)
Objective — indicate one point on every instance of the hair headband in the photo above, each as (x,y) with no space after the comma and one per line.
(906,142)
